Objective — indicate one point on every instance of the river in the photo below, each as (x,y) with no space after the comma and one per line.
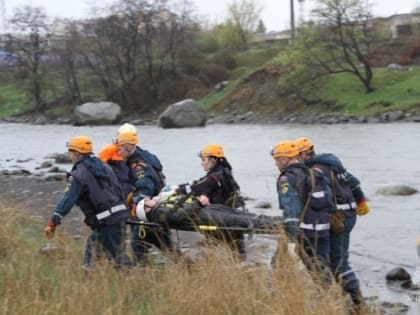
(378,154)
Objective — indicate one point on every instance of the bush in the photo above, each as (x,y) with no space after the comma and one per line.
(208,44)
(225,59)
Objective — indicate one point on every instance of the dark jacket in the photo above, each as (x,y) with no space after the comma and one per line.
(217,185)
(346,187)
(120,169)
(93,186)
(294,188)
(144,169)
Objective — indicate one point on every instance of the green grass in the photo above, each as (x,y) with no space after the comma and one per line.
(254,58)
(12,101)
(393,90)
(213,97)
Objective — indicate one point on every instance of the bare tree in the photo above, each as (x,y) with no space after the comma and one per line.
(28,43)
(244,16)
(66,51)
(132,49)
(338,40)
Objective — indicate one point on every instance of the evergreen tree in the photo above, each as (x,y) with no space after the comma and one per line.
(261,27)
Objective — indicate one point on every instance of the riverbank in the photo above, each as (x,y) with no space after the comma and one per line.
(236,117)
(37,197)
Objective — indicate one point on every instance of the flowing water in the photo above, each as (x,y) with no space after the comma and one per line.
(379,155)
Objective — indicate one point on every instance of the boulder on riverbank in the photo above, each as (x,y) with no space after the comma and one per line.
(187,113)
(99,113)
(397,190)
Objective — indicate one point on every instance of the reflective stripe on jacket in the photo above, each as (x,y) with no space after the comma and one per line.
(99,194)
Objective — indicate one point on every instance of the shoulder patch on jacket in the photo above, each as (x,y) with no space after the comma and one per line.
(284,188)
(138,168)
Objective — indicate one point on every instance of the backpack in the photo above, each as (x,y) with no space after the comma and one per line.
(318,189)
(318,203)
(314,188)
(159,179)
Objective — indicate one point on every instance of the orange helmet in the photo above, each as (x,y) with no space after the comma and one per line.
(81,144)
(109,152)
(125,138)
(304,144)
(213,149)
(284,149)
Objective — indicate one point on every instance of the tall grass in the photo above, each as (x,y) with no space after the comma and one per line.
(54,283)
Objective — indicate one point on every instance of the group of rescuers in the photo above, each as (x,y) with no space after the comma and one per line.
(320,200)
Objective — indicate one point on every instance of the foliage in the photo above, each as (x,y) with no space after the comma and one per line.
(254,58)
(225,58)
(243,16)
(229,35)
(261,27)
(208,43)
(132,56)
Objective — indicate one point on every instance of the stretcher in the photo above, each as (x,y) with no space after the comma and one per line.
(212,218)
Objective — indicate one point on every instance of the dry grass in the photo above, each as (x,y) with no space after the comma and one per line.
(35,283)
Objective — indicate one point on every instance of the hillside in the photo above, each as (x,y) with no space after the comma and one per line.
(251,87)
(395,89)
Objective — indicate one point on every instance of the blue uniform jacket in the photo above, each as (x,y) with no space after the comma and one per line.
(332,160)
(74,189)
(290,199)
(141,174)
(120,169)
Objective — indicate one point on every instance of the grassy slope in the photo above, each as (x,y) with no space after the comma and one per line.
(14,98)
(11,101)
(393,90)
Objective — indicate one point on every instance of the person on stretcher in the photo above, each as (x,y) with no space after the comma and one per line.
(188,212)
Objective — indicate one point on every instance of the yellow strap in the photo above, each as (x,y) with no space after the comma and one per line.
(333,186)
(207,228)
(142,231)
